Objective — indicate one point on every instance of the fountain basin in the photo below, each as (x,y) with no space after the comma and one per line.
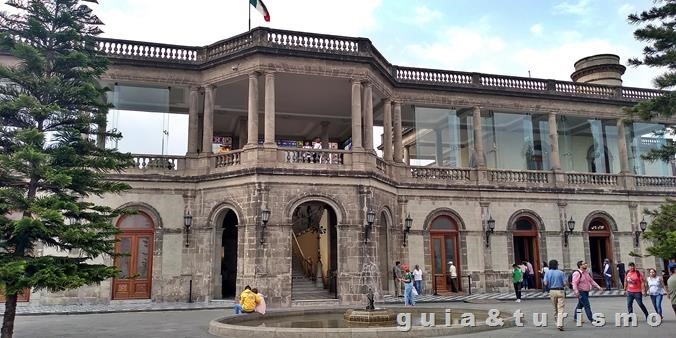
(320,323)
(376,316)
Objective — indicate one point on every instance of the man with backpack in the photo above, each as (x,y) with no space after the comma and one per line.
(583,282)
(635,289)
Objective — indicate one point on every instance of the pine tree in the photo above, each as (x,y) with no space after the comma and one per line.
(51,105)
(659,22)
(662,230)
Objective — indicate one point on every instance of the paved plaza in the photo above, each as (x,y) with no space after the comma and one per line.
(195,323)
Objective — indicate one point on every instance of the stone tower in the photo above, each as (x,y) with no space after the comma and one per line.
(602,69)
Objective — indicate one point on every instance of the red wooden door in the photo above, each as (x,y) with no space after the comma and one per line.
(444,244)
(135,266)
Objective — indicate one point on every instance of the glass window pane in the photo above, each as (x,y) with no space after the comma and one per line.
(588,145)
(443,137)
(450,251)
(142,258)
(136,221)
(438,263)
(641,138)
(443,223)
(125,248)
(523,224)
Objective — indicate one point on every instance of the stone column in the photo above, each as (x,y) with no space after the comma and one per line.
(356,115)
(398,145)
(622,148)
(270,110)
(101,133)
(439,149)
(252,121)
(325,134)
(208,126)
(387,130)
(193,121)
(554,158)
(407,155)
(478,139)
(368,117)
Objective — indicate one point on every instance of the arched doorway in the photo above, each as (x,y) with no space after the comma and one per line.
(314,251)
(136,243)
(228,257)
(445,249)
(599,248)
(526,248)
(383,249)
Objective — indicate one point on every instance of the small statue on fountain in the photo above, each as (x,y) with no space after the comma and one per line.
(369,296)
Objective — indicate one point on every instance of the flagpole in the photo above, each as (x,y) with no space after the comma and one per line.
(249,7)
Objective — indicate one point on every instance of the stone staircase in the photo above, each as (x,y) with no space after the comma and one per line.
(304,292)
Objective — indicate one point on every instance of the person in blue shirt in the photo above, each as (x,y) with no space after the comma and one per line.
(555,280)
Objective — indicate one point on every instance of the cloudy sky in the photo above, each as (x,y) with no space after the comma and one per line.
(511,37)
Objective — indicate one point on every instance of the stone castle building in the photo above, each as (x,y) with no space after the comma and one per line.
(281,176)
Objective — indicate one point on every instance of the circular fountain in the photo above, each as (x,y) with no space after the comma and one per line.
(370,316)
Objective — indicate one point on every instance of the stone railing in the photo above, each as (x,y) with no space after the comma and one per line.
(158,162)
(314,156)
(450,174)
(380,164)
(656,181)
(591,179)
(228,159)
(321,44)
(128,49)
(500,175)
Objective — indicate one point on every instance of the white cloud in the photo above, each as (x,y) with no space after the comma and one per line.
(579,8)
(424,15)
(536,29)
(625,10)
(178,22)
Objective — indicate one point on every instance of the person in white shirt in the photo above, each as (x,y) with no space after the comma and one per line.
(453,273)
(417,279)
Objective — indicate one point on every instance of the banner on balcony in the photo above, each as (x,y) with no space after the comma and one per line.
(260,6)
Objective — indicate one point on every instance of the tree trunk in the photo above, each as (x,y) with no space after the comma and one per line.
(10,313)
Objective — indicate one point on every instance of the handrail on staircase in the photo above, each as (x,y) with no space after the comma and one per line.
(307,262)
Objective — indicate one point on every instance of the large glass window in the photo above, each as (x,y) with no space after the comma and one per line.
(443,137)
(142,115)
(516,141)
(641,138)
(588,145)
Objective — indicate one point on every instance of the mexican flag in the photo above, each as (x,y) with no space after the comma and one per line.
(260,6)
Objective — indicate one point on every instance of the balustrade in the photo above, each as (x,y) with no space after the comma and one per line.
(147,50)
(591,179)
(513,82)
(656,181)
(452,174)
(518,176)
(314,156)
(157,162)
(228,159)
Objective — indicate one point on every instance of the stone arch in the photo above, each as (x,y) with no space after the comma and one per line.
(602,215)
(443,212)
(539,223)
(386,231)
(145,208)
(217,213)
(389,219)
(339,210)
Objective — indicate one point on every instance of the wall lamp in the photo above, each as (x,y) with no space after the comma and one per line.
(637,234)
(187,223)
(490,227)
(568,231)
(370,217)
(408,222)
(265,217)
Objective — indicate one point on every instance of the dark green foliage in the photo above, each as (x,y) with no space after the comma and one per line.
(50,169)
(658,31)
(662,230)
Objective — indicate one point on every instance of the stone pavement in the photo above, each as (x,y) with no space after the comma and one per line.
(144,306)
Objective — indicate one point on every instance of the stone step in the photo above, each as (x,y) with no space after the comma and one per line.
(314,302)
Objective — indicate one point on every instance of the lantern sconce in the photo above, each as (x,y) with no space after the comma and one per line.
(370,218)
(568,231)
(490,228)
(187,223)
(637,234)
(265,217)
(408,222)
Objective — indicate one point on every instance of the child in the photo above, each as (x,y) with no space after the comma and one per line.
(260,306)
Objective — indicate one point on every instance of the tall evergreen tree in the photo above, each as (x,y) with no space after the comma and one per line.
(51,105)
(658,30)
(662,231)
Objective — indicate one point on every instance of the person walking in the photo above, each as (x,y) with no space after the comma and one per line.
(671,288)
(555,281)
(656,290)
(607,273)
(621,271)
(517,280)
(396,275)
(407,279)
(545,269)
(635,289)
(582,284)
(524,274)
(417,279)
(453,272)
(530,274)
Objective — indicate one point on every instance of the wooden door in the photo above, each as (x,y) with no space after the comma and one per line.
(444,250)
(599,249)
(135,243)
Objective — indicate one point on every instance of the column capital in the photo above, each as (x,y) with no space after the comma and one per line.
(194,88)
(484,204)
(367,83)
(387,100)
(355,81)
(269,73)
(210,86)
(562,204)
(255,74)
